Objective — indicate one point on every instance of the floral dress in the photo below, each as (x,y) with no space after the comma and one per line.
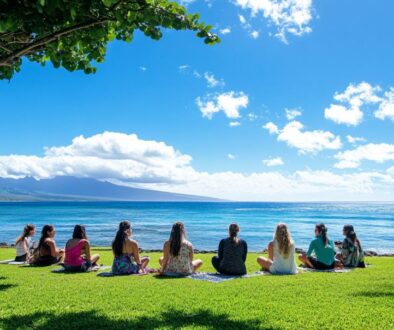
(181,264)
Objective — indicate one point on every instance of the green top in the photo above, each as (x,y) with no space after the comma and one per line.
(324,254)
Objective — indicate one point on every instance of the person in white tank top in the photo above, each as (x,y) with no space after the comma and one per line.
(281,253)
(22,243)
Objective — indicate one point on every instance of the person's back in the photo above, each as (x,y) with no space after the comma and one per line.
(73,252)
(22,247)
(283,264)
(181,264)
(353,255)
(325,253)
(234,256)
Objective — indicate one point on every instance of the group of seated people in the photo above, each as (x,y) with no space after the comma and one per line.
(178,256)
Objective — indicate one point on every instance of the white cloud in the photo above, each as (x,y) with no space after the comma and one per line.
(273,162)
(252,116)
(231,156)
(129,160)
(288,16)
(230,103)
(354,139)
(306,141)
(379,153)
(212,81)
(248,27)
(271,128)
(142,68)
(234,123)
(183,67)
(354,98)
(292,113)
(254,34)
(107,155)
(197,74)
(386,107)
(226,30)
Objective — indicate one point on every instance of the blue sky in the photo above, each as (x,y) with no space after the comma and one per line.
(329,63)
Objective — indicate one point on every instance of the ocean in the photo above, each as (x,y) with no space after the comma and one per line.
(205,223)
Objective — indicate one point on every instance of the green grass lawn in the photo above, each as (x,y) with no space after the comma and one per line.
(35,298)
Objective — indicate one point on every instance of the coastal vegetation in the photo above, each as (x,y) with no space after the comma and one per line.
(35,298)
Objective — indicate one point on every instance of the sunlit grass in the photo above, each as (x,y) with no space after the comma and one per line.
(35,298)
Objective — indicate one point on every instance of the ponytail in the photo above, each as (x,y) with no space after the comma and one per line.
(176,237)
(26,231)
(117,243)
(322,229)
(233,232)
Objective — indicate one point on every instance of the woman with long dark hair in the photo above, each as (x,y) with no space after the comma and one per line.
(178,253)
(323,250)
(280,253)
(77,255)
(22,243)
(126,252)
(47,253)
(352,254)
(232,253)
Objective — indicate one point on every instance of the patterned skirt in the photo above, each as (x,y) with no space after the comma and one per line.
(123,265)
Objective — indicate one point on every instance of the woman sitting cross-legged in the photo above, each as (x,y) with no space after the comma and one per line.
(280,253)
(352,254)
(22,244)
(231,254)
(47,253)
(322,248)
(178,254)
(127,258)
(77,254)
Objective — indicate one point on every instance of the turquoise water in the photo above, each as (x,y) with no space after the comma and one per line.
(206,223)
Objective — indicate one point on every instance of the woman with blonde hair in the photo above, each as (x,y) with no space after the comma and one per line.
(280,253)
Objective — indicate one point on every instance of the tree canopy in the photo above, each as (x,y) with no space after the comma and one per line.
(74,33)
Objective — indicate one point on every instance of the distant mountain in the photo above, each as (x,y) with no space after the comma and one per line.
(83,189)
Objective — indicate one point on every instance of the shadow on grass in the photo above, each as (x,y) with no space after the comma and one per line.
(4,287)
(172,319)
(379,292)
(374,294)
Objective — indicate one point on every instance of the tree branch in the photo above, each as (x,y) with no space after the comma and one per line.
(4,61)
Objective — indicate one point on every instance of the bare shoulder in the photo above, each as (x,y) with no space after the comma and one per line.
(132,243)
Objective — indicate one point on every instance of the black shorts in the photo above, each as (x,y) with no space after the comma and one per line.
(21,258)
(320,265)
(78,269)
(47,261)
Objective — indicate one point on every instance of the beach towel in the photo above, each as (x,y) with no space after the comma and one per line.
(215,277)
(218,278)
(335,270)
(110,274)
(12,262)
(92,269)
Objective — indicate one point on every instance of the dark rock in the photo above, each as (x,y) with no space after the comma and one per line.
(3,244)
(370,253)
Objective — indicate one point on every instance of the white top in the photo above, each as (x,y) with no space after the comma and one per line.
(282,265)
(23,247)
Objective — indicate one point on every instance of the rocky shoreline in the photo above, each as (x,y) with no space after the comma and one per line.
(368,253)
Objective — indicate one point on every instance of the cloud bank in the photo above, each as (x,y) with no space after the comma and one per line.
(129,160)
